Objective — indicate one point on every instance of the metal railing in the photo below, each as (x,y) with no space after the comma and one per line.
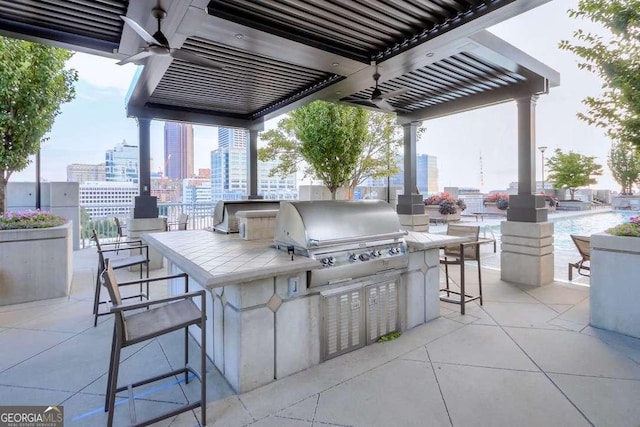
(200,218)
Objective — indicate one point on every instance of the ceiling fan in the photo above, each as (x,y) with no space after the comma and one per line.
(158,44)
(378,98)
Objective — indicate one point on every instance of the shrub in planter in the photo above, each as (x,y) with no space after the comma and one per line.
(502,204)
(447,205)
(629,229)
(29,219)
(500,199)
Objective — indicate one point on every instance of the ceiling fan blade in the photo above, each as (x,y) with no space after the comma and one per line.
(135,58)
(195,59)
(141,31)
(384,105)
(394,93)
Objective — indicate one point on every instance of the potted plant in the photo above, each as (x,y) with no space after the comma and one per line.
(496,202)
(614,289)
(444,207)
(35,256)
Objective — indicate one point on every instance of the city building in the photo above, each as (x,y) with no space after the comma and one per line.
(166,190)
(196,190)
(426,175)
(204,173)
(229,171)
(121,163)
(102,199)
(229,165)
(178,150)
(275,187)
(80,172)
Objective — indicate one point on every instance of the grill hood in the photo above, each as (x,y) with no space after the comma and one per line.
(316,224)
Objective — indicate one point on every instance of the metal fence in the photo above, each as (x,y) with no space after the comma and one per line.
(200,218)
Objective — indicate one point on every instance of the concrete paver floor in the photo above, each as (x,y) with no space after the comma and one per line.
(527,357)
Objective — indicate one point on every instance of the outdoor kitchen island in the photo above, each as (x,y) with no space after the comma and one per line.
(268,318)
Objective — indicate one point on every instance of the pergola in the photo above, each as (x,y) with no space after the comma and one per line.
(277,55)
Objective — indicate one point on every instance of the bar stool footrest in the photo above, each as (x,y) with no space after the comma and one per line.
(467,297)
(131,396)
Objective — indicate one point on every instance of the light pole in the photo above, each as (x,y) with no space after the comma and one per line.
(542,148)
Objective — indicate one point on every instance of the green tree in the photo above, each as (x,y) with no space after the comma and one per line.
(572,170)
(85,225)
(33,85)
(624,162)
(616,60)
(328,137)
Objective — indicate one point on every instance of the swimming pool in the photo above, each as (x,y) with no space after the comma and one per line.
(584,225)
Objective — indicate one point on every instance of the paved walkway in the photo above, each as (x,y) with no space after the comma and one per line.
(526,358)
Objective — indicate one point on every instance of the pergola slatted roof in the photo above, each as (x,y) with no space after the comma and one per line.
(279,54)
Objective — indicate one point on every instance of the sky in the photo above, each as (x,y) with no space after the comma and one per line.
(95,120)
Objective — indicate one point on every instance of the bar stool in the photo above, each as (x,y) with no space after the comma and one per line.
(119,262)
(457,255)
(162,316)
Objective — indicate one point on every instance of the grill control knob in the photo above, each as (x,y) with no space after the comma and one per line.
(324,261)
(373,254)
(379,253)
(353,257)
(332,260)
(364,257)
(392,251)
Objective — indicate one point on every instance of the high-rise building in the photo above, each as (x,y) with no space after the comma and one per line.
(229,165)
(276,187)
(79,172)
(232,138)
(196,190)
(121,163)
(426,175)
(107,199)
(178,150)
(229,171)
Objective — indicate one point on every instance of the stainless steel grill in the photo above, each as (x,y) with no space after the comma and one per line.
(224,214)
(350,239)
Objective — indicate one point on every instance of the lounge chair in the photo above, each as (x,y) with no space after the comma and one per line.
(583,244)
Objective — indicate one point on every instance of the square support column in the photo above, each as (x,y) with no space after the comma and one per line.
(145,206)
(526,255)
(526,206)
(527,238)
(252,166)
(411,202)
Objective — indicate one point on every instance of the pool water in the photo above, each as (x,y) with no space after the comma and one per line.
(584,225)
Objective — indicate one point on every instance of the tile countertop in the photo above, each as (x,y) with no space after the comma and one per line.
(214,259)
(421,241)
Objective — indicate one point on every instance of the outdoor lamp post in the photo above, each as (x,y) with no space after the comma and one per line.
(542,148)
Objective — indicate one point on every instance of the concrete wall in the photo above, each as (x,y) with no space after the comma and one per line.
(614,291)
(59,198)
(35,264)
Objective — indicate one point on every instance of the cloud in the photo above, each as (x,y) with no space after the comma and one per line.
(102,72)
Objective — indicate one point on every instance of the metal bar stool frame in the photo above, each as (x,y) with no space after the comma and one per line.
(457,252)
(176,312)
(118,263)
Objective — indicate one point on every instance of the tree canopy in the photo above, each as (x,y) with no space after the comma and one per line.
(33,85)
(624,162)
(616,60)
(572,170)
(341,145)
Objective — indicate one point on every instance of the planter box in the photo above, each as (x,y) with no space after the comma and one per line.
(35,264)
(435,215)
(614,286)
